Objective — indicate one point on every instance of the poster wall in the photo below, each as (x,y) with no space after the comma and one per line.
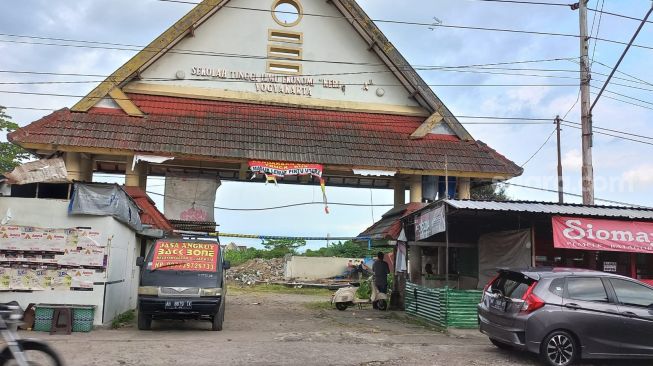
(33,259)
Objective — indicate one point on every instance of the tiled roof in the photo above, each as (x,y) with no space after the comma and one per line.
(389,227)
(150,215)
(189,127)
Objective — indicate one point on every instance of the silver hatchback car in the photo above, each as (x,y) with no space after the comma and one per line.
(566,314)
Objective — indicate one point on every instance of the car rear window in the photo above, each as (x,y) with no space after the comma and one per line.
(511,284)
(586,289)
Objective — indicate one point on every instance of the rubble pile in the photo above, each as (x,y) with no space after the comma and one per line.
(257,270)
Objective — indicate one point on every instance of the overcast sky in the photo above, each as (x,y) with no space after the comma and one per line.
(623,168)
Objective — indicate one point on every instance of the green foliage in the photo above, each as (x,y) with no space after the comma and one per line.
(123,319)
(489,192)
(365,291)
(348,249)
(280,247)
(10,155)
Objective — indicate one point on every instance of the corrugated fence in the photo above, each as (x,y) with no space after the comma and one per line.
(443,306)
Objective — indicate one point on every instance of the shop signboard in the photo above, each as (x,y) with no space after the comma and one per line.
(602,235)
(180,256)
(429,223)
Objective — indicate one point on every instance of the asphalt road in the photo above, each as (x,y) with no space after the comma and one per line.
(281,329)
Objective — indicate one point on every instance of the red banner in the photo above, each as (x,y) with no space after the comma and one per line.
(280,170)
(602,235)
(181,256)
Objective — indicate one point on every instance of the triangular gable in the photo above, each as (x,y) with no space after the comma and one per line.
(349,9)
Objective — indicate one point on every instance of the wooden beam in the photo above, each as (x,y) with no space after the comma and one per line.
(125,103)
(427,126)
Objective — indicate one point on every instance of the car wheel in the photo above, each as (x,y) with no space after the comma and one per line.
(559,349)
(342,306)
(144,321)
(500,344)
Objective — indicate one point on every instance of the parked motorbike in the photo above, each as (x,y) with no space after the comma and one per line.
(22,352)
(346,297)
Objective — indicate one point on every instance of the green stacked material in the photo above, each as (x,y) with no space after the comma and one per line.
(443,306)
(43,319)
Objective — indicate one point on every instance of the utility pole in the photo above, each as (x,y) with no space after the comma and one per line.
(586,115)
(561,198)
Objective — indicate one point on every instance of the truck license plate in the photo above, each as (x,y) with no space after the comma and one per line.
(179,305)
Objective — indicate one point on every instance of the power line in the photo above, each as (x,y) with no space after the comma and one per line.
(612,135)
(619,15)
(289,205)
(523,2)
(573,194)
(539,149)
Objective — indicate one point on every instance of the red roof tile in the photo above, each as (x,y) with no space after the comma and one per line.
(182,127)
(150,215)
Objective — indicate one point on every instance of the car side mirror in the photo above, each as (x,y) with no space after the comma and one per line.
(140,261)
(226,265)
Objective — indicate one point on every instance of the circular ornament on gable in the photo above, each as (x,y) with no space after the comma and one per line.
(287,13)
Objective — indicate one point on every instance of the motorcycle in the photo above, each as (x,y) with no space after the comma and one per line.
(346,297)
(24,352)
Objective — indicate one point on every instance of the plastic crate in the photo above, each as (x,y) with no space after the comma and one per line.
(82,325)
(43,318)
(83,317)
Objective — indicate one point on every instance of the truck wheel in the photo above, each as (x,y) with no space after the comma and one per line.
(218,318)
(144,321)
(342,306)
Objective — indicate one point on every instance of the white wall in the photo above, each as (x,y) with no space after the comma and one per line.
(314,268)
(48,213)
(243,32)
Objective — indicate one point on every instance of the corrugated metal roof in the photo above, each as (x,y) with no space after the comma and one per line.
(554,208)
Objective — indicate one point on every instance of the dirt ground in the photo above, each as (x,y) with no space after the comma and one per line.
(284,329)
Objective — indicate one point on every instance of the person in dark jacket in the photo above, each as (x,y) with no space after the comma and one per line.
(381,270)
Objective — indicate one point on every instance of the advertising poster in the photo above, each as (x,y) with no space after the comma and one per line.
(602,235)
(61,280)
(5,278)
(181,256)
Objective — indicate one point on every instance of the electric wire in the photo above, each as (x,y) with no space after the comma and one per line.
(574,195)
(539,149)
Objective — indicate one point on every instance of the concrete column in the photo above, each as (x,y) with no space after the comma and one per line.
(464,188)
(400,192)
(416,189)
(86,168)
(415,263)
(73,163)
(142,178)
(133,176)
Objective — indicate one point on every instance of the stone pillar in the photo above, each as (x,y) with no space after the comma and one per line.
(73,163)
(400,192)
(133,178)
(464,188)
(415,263)
(416,189)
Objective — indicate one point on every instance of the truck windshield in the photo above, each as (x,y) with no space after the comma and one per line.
(182,264)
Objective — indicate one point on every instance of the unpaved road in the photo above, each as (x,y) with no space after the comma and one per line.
(280,329)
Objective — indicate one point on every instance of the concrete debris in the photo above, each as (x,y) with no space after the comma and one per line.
(257,271)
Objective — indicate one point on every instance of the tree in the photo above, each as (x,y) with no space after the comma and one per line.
(283,246)
(10,155)
(490,192)
(347,249)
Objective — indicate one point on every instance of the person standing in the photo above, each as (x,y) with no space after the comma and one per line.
(381,271)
